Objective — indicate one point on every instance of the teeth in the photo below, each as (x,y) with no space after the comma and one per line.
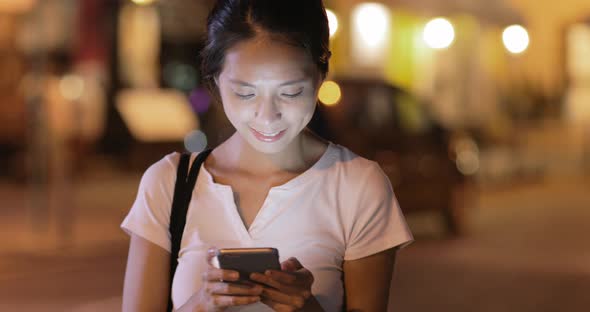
(269,134)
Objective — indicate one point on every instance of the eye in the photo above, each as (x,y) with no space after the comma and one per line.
(244,96)
(292,95)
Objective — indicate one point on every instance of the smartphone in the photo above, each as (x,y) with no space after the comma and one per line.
(247,260)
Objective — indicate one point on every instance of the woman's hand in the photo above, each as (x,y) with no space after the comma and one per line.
(220,290)
(290,289)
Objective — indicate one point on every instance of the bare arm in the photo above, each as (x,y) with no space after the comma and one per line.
(367,281)
(147,283)
(147,277)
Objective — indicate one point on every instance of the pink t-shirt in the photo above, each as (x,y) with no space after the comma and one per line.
(342,208)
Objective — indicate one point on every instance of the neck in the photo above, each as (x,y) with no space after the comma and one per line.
(293,158)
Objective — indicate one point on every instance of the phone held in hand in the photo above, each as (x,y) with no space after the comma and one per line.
(247,260)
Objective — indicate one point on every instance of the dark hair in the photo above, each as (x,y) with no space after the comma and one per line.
(302,23)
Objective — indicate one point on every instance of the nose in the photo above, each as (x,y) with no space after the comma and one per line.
(268,111)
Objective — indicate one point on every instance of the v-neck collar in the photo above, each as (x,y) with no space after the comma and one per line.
(264,214)
(323,162)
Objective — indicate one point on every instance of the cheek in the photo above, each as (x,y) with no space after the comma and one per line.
(233,107)
(232,111)
(303,111)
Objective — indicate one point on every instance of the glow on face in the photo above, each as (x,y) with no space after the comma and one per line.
(269,92)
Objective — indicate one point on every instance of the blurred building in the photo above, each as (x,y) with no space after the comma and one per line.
(80,71)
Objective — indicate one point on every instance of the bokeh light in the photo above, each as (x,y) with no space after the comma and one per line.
(195,141)
(180,76)
(516,39)
(439,33)
(332,22)
(200,100)
(329,93)
(467,160)
(16,6)
(143,2)
(371,21)
(71,87)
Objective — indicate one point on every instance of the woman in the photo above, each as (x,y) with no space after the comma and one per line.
(331,214)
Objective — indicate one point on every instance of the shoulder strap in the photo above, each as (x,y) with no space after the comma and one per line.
(183,191)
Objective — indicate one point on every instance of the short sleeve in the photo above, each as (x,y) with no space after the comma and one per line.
(377,222)
(149,217)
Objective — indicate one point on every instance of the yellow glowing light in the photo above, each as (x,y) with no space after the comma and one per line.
(329,93)
(371,21)
(16,6)
(332,22)
(516,39)
(156,115)
(439,33)
(143,2)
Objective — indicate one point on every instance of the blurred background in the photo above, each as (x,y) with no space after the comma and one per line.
(477,110)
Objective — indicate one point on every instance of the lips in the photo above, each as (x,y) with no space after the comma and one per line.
(268,136)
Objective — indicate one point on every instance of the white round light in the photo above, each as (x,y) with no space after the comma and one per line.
(516,39)
(371,21)
(332,22)
(439,33)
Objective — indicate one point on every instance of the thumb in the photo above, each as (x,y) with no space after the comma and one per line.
(291,265)
(211,253)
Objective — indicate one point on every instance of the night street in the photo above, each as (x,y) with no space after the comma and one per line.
(524,250)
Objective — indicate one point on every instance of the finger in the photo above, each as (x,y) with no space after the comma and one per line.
(291,265)
(301,279)
(278,306)
(217,275)
(233,289)
(265,280)
(305,276)
(248,282)
(283,277)
(211,253)
(299,289)
(298,286)
(228,301)
(293,300)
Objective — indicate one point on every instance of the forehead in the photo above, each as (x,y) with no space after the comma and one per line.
(265,58)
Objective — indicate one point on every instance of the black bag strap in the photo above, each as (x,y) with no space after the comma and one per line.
(183,191)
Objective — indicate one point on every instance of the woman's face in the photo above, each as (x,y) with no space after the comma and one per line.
(269,92)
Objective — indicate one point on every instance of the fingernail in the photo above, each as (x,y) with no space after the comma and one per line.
(268,273)
(235,275)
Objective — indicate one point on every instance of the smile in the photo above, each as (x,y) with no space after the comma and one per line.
(268,137)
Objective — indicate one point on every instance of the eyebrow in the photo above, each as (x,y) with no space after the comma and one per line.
(243,83)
